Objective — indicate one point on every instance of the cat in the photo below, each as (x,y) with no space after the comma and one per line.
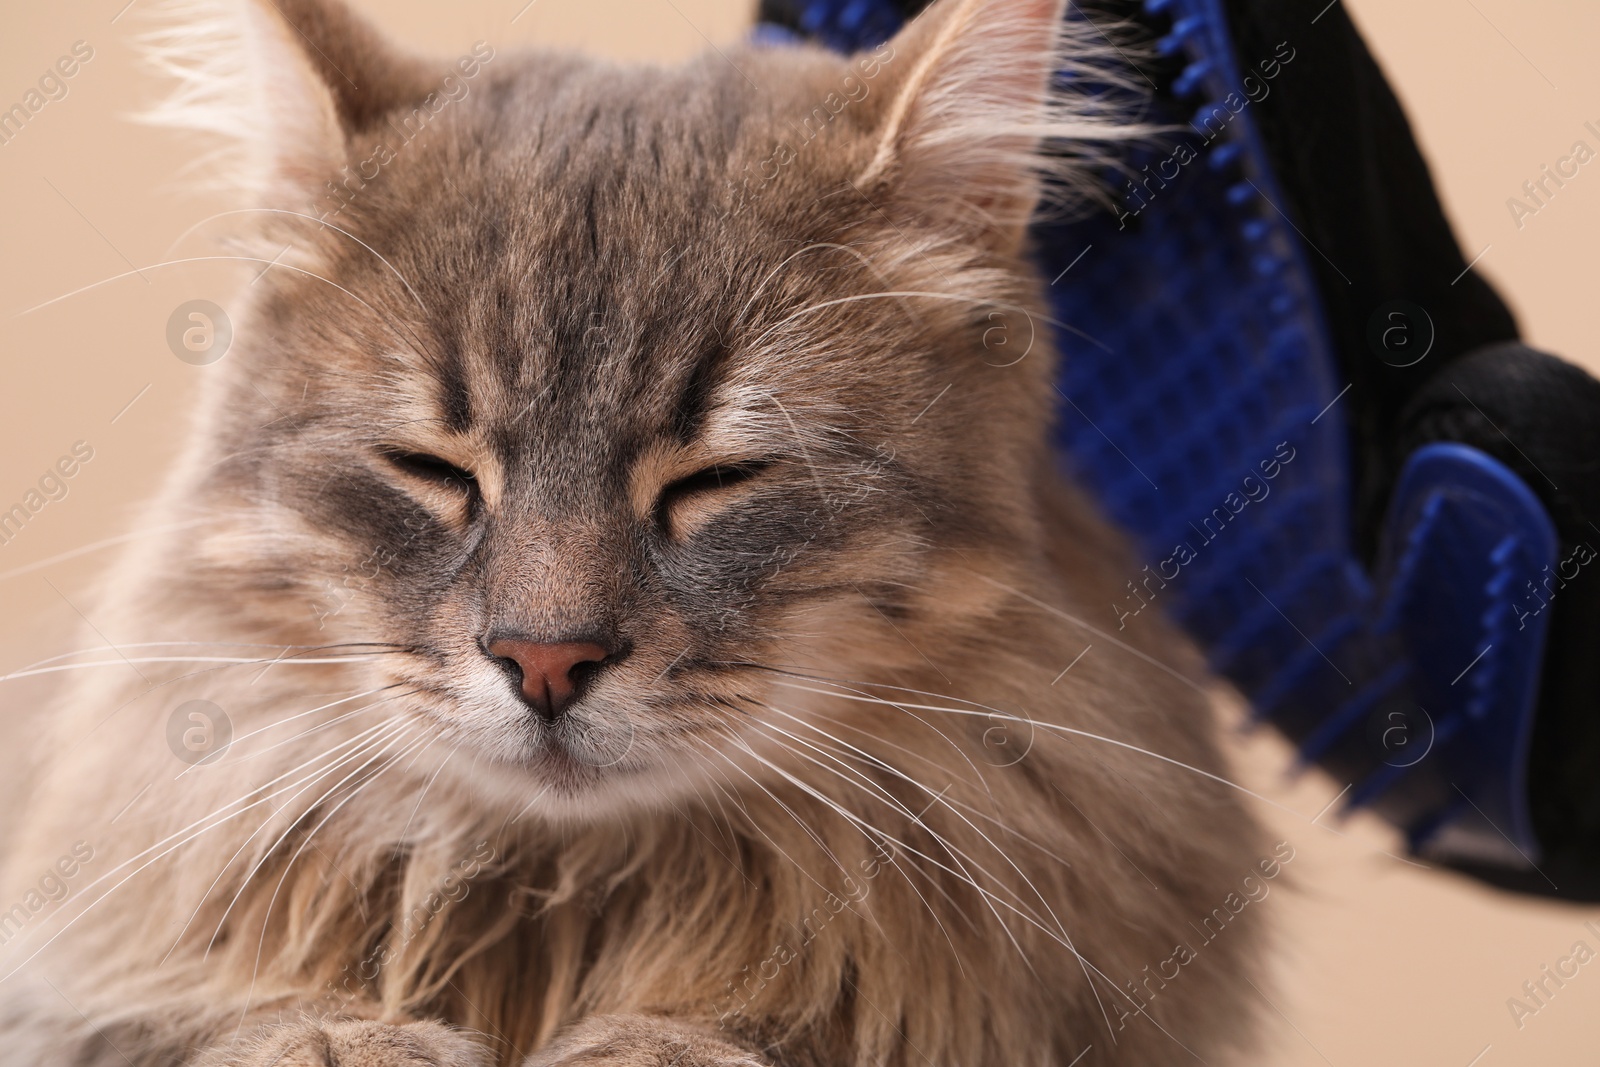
(619,604)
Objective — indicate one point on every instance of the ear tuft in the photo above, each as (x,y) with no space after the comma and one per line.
(280,84)
(999,101)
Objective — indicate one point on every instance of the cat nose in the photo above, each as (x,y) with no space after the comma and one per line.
(551,672)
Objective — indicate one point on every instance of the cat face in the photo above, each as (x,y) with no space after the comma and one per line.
(613,393)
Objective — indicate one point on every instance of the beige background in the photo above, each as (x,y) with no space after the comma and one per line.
(1383,963)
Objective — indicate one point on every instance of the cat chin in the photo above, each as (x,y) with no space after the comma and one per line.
(550,781)
(563,770)
(532,793)
(571,790)
(610,801)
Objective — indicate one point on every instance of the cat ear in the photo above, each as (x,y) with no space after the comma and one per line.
(972,110)
(283,83)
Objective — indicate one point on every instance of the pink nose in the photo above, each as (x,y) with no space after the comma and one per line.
(548,669)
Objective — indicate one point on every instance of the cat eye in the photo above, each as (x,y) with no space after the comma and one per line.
(434,470)
(712,479)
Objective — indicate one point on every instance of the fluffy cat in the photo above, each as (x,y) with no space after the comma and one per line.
(623,550)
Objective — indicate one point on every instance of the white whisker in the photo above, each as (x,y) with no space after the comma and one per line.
(989,898)
(939,797)
(985,712)
(272,902)
(231,660)
(378,648)
(224,259)
(322,222)
(807,830)
(320,726)
(246,843)
(867,756)
(386,734)
(164,847)
(1111,638)
(961,858)
(96,546)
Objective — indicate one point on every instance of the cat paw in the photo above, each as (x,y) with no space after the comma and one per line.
(354,1043)
(641,1041)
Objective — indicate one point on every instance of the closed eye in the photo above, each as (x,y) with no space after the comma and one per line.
(716,476)
(433,470)
(704,483)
